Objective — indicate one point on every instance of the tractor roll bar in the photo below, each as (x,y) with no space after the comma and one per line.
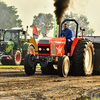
(73,21)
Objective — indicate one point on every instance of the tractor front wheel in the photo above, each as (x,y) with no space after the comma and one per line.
(28,69)
(17,57)
(63,66)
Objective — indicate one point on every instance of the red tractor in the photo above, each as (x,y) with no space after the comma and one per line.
(52,58)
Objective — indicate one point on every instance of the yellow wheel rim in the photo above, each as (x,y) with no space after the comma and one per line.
(66,68)
(88,59)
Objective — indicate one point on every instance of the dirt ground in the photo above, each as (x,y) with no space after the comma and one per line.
(15,84)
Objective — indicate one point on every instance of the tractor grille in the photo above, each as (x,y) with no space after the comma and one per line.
(44,41)
(53,49)
(44,49)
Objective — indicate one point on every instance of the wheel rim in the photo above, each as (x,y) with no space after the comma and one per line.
(18,57)
(55,67)
(31,52)
(66,68)
(88,59)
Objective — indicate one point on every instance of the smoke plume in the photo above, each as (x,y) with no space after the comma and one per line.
(60,8)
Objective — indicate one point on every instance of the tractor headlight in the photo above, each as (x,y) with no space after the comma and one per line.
(48,49)
(40,49)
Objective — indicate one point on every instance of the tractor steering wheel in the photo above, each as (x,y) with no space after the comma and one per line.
(65,36)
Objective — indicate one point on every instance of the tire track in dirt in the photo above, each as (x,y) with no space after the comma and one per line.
(15,84)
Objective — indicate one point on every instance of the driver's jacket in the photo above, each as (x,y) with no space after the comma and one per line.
(68,34)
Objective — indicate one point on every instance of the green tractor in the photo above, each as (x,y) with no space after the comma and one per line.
(14,46)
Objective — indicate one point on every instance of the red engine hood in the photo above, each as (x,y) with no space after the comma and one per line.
(54,40)
(56,46)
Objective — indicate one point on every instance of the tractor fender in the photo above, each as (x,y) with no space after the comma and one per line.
(25,48)
(29,44)
(73,46)
(26,45)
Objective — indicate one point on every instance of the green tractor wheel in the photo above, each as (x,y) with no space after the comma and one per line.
(17,57)
(30,50)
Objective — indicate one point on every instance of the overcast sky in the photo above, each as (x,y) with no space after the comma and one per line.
(28,8)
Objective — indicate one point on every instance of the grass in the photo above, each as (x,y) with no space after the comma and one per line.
(11,66)
(93,99)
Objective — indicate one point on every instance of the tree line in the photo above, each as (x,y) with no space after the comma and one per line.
(9,18)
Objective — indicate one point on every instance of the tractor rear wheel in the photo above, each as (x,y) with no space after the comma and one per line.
(49,70)
(30,50)
(83,58)
(28,69)
(63,66)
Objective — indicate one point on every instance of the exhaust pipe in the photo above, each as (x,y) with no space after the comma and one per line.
(58,31)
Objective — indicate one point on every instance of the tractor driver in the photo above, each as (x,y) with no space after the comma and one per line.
(68,33)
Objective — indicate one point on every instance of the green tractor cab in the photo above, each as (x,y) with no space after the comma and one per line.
(14,47)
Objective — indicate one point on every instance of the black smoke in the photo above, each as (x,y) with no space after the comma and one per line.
(60,8)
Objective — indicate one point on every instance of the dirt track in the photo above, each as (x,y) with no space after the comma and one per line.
(15,84)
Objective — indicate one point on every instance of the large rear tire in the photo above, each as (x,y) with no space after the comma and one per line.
(63,66)
(30,50)
(49,70)
(83,58)
(28,69)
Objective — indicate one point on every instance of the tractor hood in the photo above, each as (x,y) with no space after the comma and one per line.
(52,40)
(51,46)
(6,46)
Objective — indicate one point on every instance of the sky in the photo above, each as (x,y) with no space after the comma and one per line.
(28,8)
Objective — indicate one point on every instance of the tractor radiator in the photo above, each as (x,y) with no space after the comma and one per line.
(53,49)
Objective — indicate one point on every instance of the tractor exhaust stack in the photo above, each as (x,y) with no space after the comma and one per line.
(58,30)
